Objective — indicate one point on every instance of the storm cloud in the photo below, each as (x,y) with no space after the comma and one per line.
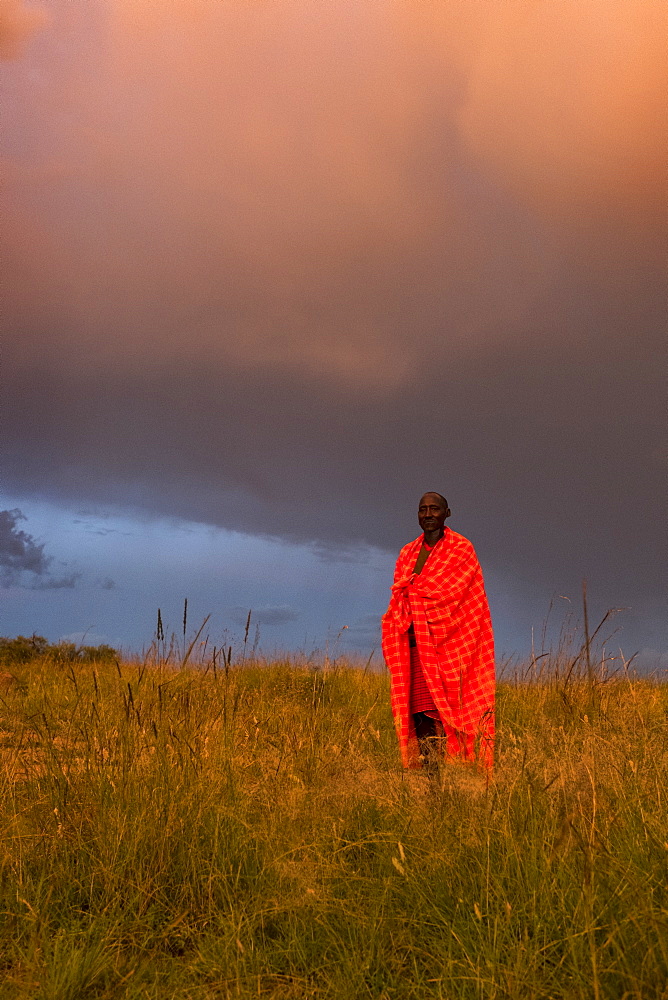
(18,24)
(267,615)
(19,552)
(282,267)
(22,559)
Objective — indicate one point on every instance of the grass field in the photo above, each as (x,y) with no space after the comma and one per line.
(173,833)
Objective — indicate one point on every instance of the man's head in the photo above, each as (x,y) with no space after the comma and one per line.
(432,512)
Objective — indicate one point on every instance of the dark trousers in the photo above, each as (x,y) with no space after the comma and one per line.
(428,732)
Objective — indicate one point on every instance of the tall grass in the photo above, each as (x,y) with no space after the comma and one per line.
(175,833)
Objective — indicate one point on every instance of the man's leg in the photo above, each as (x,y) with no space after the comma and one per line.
(427,731)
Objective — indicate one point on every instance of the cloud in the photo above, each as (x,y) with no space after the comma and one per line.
(269,615)
(94,528)
(86,639)
(368,621)
(107,583)
(302,196)
(563,102)
(651,661)
(295,202)
(18,24)
(279,267)
(365,628)
(330,551)
(20,554)
(67,582)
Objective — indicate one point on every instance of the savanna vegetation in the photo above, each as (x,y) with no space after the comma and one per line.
(24,649)
(191,832)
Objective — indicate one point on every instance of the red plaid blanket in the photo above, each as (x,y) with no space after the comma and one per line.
(447,605)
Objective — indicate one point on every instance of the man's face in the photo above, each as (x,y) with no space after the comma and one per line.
(431,513)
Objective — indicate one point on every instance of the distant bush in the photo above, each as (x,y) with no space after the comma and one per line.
(87,654)
(23,648)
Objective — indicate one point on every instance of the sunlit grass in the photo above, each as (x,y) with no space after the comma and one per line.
(175,833)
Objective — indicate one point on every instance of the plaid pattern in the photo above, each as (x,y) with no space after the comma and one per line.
(447,606)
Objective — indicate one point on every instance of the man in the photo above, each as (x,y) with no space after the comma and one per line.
(439,647)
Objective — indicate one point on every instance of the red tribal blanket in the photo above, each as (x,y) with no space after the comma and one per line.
(447,606)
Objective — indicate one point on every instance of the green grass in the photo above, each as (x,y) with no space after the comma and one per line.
(175,834)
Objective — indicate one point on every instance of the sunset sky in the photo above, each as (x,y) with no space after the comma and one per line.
(273,268)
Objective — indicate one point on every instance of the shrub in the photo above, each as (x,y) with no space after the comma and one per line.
(23,649)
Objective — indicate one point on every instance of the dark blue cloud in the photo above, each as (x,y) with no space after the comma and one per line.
(19,552)
(23,562)
(269,615)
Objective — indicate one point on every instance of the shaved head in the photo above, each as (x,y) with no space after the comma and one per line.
(433,493)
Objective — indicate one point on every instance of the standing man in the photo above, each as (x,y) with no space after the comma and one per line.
(439,647)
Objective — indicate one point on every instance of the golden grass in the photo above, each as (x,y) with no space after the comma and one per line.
(175,833)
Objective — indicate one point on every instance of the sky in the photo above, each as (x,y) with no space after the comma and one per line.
(273,268)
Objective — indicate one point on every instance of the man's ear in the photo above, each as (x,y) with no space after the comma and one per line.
(448,512)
